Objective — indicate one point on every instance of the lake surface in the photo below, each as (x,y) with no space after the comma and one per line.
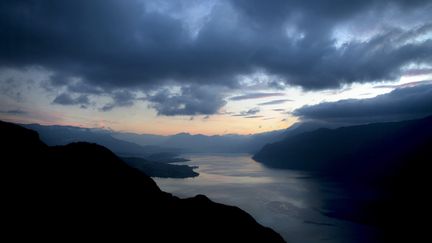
(290,202)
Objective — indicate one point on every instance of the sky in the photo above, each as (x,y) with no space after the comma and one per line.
(214,67)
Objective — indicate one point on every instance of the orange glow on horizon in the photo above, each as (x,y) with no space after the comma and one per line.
(216,125)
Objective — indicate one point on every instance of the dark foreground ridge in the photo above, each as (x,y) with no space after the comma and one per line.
(83,191)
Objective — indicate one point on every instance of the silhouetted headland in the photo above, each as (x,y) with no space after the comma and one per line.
(162,169)
(83,191)
(383,167)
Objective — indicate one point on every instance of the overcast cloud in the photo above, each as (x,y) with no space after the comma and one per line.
(103,47)
(400,104)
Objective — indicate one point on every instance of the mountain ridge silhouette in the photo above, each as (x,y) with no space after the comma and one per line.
(84,191)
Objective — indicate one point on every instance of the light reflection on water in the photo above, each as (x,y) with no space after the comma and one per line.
(288,201)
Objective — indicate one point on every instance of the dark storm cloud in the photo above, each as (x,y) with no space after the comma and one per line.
(255,96)
(400,104)
(275,11)
(275,102)
(418,71)
(311,59)
(67,99)
(115,45)
(84,88)
(249,112)
(120,99)
(252,117)
(13,112)
(191,100)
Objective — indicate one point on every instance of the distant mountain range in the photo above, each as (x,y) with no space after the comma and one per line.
(146,145)
(230,143)
(199,143)
(84,191)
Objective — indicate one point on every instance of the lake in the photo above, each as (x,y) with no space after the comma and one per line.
(290,202)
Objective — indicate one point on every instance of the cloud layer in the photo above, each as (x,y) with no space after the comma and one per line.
(192,100)
(66,99)
(106,46)
(275,102)
(400,104)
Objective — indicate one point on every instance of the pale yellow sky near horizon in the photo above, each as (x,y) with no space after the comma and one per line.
(31,103)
